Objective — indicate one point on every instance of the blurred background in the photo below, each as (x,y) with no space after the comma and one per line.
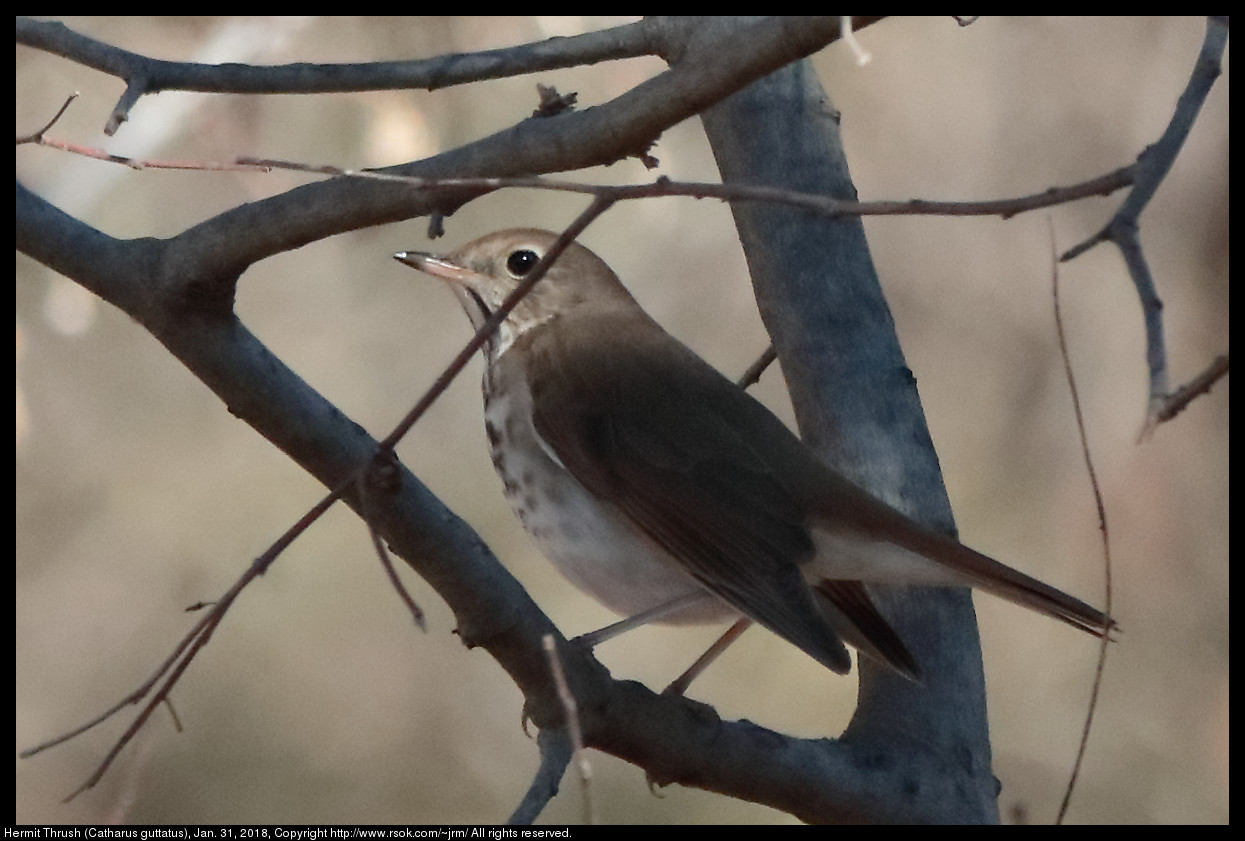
(138,494)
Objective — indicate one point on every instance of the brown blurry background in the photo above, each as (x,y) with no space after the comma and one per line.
(139,494)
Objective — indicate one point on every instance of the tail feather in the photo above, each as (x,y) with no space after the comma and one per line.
(1003,581)
(861,538)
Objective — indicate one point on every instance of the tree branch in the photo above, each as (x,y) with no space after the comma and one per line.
(221,248)
(856,403)
(144,75)
(181,289)
(1123,229)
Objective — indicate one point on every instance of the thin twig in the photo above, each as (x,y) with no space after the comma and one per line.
(1178,400)
(171,670)
(571,708)
(37,136)
(848,36)
(147,163)
(40,138)
(1005,208)
(1102,526)
(381,473)
(1123,229)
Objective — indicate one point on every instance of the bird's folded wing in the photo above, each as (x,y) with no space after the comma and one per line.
(647,443)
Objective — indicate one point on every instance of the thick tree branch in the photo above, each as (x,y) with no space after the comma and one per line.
(145,75)
(184,297)
(856,402)
(219,249)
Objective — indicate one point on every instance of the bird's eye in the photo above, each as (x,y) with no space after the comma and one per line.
(521,262)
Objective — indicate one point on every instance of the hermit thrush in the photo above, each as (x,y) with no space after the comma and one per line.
(664,490)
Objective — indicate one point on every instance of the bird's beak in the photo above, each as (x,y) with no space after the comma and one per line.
(434,264)
(461,280)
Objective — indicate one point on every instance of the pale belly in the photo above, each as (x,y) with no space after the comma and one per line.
(589,542)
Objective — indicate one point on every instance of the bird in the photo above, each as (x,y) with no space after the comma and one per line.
(667,492)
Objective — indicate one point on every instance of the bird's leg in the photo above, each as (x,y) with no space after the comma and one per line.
(653,614)
(679,685)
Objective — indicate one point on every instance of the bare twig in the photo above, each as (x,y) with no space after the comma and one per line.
(1004,208)
(1178,400)
(147,163)
(1102,526)
(662,187)
(37,136)
(1151,168)
(862,55)
(381,475)
(40,138)
(171,670)
(571,709)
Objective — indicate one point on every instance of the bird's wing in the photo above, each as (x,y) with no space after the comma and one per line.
(663,443)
